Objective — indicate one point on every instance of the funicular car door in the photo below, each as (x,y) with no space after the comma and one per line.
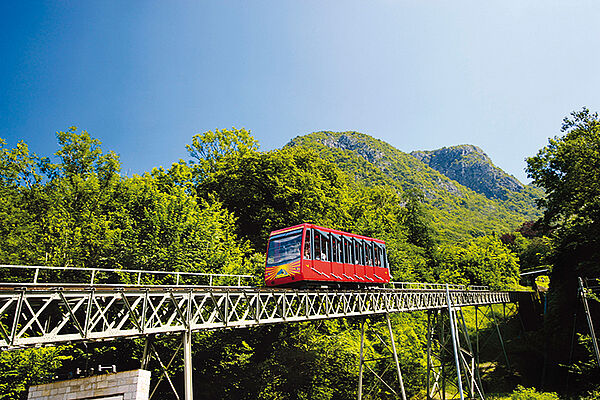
(337,267)
(322,255)
(368,257)
(379,270)
(307,256)
(348,258)
(359,267)
(384,265)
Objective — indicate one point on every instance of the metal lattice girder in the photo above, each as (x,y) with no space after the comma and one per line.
(38,316)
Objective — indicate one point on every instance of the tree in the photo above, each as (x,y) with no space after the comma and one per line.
(81,155)
(209,147)
(19,177)
(568,168)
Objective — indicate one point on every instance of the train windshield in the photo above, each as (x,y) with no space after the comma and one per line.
(284,249)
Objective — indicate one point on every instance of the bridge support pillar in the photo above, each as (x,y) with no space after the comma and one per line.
(451,359)
(363,362)
(389,324)
(147,353)
(361,358)
(187,365)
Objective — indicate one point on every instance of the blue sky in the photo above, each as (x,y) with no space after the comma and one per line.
(145,76)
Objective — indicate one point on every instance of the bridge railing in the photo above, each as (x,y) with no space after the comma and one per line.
(434,286)
(46,275)
(66,276)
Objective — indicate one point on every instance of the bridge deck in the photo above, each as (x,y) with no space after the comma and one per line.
(35,314)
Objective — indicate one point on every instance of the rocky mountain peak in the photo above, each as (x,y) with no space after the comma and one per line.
(471,167)
(352,141)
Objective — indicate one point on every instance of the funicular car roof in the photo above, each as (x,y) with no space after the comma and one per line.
(335,231)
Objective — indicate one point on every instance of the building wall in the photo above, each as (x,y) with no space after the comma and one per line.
(128,385)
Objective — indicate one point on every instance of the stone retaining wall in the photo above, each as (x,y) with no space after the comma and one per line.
(128,385)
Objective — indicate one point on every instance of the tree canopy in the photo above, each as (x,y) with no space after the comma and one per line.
(568,168)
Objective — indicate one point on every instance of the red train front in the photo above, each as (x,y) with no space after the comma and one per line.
(307,254)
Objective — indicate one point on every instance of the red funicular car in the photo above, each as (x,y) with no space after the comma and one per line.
(310,255)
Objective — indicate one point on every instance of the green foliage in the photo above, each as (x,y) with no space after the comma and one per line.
(209,147)
(483,261)
(80,157)
(592,395)
(20,369)
(584,368)
(567,168)
(18,167)
(522,393)
(268,191)
(312,360)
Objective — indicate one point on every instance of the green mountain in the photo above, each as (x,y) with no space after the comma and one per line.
(466,195)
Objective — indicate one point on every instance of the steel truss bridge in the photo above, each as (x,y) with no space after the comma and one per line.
(36,313)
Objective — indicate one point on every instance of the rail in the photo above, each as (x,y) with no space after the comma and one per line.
(435,286)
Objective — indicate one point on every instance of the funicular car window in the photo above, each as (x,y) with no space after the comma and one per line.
(363,256)
(284,248)
(349,252)
(317,245)
(358,252)
(323,252)
(333,249)
(377,255)
(372,253)
(384,258)
(344,250)
(336,248)
(367,257)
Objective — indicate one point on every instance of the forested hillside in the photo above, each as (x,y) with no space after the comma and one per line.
(459,211)
(213,212)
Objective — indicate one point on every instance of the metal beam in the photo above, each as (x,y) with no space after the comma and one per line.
(586,307)
(362,360)
(455,344)
(187,365)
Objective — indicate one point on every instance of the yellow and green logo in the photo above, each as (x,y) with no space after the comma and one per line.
(283,270)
